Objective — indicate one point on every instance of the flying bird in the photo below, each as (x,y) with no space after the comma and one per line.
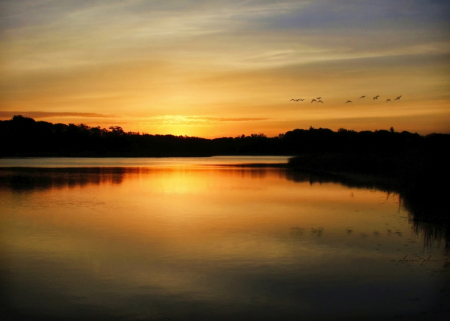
(362,96)
(398,98)
(293,99)
(300,99)
(388,100)
(376,97)
(313,100)
(348,101)
(320,101)
(319,98)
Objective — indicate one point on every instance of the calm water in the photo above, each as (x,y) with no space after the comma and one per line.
(178,239)
(138,162)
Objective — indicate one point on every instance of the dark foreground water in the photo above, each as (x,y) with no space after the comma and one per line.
(185,240)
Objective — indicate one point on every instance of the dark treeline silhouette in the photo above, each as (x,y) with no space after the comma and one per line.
(23,136)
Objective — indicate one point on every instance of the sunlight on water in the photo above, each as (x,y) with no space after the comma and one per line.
(144,243)
(137,161)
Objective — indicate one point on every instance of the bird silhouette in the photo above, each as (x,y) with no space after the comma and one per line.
(300,99)
(293,99)
(319,97)
(348,101)
(398,98)
(388,100)
(313,100)
(320,101)
(362,96)
(376,97)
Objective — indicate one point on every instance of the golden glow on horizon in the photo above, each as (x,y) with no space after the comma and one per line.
(225,69)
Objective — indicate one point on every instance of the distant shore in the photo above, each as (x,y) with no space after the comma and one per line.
(25,137)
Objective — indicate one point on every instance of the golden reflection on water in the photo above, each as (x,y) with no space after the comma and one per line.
(208,237)
(165,203)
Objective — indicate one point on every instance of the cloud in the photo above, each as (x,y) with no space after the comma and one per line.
(200,118)
(186,120)
(43,114)
(234,61)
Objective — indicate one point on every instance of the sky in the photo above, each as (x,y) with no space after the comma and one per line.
(227,68)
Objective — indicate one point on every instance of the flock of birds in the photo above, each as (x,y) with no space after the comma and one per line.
(319,99)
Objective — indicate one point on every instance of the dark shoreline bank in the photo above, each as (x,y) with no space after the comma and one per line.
(25,137)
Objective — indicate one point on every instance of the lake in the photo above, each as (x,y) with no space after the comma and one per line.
(197,239)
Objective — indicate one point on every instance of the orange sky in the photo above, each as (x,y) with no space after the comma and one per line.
(224,69)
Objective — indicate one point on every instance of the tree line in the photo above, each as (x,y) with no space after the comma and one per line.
(23,136)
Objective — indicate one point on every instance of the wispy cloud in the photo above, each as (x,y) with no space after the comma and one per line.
(201,118)
(229,62)
(195,120)
(44,114)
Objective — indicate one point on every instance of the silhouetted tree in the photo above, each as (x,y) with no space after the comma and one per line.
(23,136)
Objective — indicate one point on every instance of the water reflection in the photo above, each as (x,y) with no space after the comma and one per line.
(434,231)
(30,179)
(186,243)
